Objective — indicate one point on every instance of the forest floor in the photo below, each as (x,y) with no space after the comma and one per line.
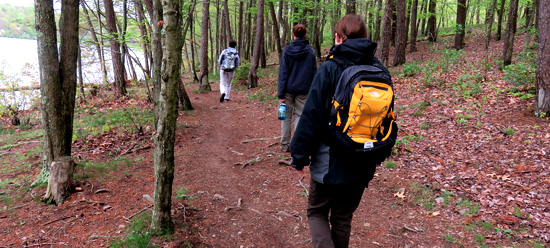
(470,170)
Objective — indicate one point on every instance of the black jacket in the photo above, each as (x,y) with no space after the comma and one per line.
(296,69)
(310,139)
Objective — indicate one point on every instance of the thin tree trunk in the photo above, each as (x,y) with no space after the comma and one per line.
(350,6)
(384,51)
(204,84)
(543,62)
(500,17)
(432,33)
(252,76)
(510,34)
(414,27)
(165,124)
(489,19)
(275,29)
(118,66)
(97,41)
(401,33)
(460,24)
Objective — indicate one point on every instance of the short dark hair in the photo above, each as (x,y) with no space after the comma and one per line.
(351,26)
(232,43)
(299,31)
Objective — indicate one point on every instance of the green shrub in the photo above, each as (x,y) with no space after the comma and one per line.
(520,74)
(242,71)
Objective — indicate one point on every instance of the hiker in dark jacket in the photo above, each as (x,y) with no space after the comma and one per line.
(337,181)
(296,69)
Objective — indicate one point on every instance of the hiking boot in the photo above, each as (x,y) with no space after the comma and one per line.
(222,97)
(285,148)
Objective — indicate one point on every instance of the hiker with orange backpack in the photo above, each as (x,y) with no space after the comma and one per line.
(341,171)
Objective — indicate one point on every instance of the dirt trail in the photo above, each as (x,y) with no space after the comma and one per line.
(262,204)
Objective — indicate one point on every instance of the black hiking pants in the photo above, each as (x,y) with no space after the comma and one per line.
(330,211)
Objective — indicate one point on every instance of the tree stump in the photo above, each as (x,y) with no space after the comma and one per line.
(60,181)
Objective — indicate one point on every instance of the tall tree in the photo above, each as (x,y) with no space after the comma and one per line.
(351,6)
(489,19)
(252,76)
(543,62)
(414,26)
(116,54)
(510,32)
(166,116)
(57,77)
(204,84)
(500,17)
(383,52)
(226,22)
(460,24)
(401,33)
(276,33)
(432,33)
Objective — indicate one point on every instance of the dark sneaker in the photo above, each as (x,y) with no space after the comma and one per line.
(222,97)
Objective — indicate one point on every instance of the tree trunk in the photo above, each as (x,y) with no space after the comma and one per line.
(414,27)
(142,25)
(204,84)
(116,58)
(350,6)
(489,19)
(165,124)
(60,182)
(500,16)
(57,76)
(384,50)
(543,63)
(252,76)
(432,33)
(80,76)
(275,29)
(460,24)
(240,29)
(97,41)
(226,21)
(401,33)
(510,33)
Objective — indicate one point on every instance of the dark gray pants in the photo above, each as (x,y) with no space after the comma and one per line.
(330,211)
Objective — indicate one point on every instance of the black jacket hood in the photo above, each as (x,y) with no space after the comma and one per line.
(359,51)
(298,49)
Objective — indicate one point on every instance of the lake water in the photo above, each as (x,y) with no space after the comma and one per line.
(19,67)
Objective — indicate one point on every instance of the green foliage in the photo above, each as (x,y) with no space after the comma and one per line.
(138,236)
(90,121)
(390,164)
(411,69)
(17,22)
(183,194)
(520,74)
(509,131)
(242,71)
(469,84)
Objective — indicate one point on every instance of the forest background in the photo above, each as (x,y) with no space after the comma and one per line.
(507,70)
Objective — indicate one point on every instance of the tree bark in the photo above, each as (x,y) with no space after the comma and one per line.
(275,29)
(510,34)
(489,19)
(543,62)
(500,16)
(252,76)
(167,113)
(57,75)
(60,182)
(97,41)
(384,51)
(401,33)
(414,26)
(116,58)
(350,6)
(432,33)
(203,81)
(460,24)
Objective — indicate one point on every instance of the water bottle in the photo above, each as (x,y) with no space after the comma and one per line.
(282,111)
